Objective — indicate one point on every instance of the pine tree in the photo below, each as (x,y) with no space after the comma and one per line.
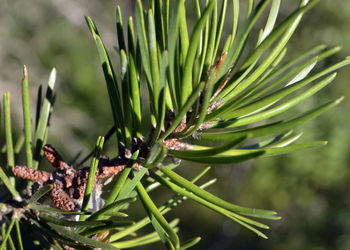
(207,104)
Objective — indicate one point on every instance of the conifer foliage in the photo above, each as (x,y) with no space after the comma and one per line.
(207,104)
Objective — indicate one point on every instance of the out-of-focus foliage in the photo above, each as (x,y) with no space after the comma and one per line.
(310,189)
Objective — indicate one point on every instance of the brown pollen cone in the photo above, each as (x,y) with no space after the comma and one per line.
(31,174)
(108,171)
(54,158)
(61,198)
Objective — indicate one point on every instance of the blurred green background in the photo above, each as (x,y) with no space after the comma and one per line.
(309,189)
